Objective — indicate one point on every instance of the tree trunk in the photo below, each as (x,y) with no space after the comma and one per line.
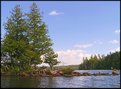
(51,67)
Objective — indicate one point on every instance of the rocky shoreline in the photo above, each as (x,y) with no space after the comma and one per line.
(59,73)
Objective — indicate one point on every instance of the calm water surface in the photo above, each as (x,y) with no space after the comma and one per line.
(63,82)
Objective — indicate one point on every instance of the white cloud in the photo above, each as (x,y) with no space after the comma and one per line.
(114,42)
(114,50)
(83,46)
(117,31)
(55,13)
(71,57)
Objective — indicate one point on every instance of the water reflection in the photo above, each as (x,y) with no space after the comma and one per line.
(16,82)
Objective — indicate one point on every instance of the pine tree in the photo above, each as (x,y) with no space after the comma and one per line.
(26,40)
(15,41)
(38,35)
(102,62)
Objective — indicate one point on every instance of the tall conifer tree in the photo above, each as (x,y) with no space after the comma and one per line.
(15,41)
(38,34)
(26,40)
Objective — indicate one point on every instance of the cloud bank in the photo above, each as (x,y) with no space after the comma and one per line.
(71,57)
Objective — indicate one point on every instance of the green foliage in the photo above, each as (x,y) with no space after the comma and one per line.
(67,70)
(102,62)
(37,34)
(50,58)
(26,40)
(14,43)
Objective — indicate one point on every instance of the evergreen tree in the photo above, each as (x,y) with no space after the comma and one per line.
(26,40)
(38,35)
(50,58)
(15,40)
(102,62)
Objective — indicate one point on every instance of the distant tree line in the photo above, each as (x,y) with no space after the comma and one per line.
(101,61)
(26,41)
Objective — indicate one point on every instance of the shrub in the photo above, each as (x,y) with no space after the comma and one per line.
(67,70)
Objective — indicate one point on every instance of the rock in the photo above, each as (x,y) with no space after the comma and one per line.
(76,74)
(114,72)
(48,72)
(53,72)
(86,74)
(97,74)
(61,73)
(23,74)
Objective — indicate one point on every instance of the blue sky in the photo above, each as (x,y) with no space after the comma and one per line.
(77,28)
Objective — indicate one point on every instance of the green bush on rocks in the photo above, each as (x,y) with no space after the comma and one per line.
(67,70)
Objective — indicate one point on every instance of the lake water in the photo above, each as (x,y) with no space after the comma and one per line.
(63,82)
